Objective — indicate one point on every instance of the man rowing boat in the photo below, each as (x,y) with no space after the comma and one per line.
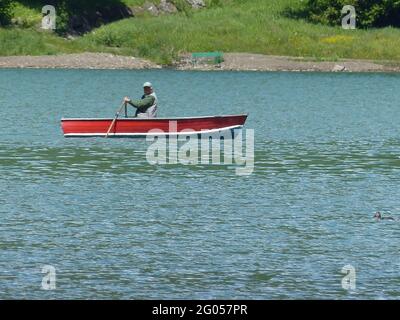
(146,107)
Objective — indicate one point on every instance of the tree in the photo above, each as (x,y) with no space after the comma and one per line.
(5,14)
(370,13)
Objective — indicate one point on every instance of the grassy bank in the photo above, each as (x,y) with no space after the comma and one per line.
(256,26)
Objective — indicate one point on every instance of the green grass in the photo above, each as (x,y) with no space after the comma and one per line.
(256,26)
(30,42)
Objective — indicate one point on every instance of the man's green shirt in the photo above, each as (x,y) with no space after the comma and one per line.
(143,104)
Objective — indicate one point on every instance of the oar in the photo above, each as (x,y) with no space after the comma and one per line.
(115,119)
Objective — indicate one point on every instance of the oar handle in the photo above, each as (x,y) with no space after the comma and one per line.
(115,119)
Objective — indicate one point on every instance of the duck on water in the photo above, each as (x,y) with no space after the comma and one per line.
(378,216)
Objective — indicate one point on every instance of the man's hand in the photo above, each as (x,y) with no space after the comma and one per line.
(127,100)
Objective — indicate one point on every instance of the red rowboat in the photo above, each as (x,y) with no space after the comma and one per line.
(139,127)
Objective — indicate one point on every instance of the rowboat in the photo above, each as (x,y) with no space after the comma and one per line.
(141,127)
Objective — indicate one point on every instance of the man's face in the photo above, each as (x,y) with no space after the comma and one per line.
(147,90)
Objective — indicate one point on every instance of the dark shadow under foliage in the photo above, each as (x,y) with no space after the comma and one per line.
(80,16)
(370,13)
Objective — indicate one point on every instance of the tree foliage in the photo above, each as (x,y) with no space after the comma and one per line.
(5,13)
(370,13)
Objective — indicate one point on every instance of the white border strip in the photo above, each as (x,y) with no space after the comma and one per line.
(149,119)
(145,134)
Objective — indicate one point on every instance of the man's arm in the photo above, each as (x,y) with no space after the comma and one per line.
(144,103)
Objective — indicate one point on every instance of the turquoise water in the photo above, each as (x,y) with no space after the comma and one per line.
(327,153)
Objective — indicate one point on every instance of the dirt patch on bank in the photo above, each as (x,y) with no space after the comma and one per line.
(232,61)
(259,62)
(77,61)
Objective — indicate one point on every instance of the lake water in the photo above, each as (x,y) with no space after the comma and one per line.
(327,156)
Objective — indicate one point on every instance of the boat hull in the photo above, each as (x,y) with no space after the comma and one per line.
(139,127)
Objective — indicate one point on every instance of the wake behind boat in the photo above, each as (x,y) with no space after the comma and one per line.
(141,127)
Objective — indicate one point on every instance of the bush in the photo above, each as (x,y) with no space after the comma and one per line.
(109,38)
(214,4)
(183,6)
(370,13)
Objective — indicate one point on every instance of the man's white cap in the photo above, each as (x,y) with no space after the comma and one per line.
(147,84)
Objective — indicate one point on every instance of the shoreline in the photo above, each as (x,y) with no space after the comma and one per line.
(232,62)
